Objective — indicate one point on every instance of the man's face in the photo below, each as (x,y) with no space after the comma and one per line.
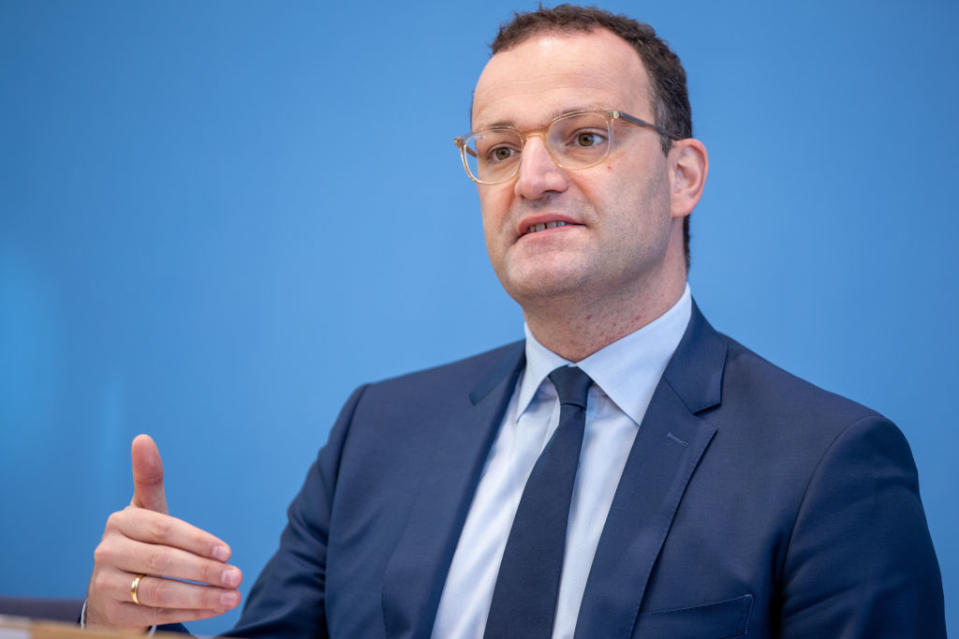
(619,228)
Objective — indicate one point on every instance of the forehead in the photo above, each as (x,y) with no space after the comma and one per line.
(552,73)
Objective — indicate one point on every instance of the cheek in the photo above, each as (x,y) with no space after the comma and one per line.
(494,207)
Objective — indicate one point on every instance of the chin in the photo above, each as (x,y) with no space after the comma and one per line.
(542,286)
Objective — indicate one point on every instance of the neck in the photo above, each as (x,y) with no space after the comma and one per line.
(576,328)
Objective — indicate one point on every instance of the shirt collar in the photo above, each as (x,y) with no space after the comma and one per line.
(627,371)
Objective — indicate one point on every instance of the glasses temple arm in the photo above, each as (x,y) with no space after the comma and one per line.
(644,123)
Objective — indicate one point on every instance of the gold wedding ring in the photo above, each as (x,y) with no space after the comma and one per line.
(133,589)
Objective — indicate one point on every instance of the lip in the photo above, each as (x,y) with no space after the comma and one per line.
(543,218)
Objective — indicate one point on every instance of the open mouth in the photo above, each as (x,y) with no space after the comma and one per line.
(535,228)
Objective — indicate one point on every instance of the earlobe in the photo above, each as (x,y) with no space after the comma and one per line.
(689,164)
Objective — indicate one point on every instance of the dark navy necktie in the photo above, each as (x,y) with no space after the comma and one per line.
(524,598)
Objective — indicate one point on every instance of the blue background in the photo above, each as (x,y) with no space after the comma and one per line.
(218,218)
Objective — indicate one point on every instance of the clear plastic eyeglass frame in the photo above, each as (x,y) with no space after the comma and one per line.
(464,142)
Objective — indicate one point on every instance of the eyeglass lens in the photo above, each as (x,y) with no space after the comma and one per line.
(575,141)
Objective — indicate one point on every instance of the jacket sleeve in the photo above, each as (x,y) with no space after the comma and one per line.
(860,562)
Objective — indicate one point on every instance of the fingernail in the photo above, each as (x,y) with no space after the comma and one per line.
(221,552)
(230,577)
(230,599)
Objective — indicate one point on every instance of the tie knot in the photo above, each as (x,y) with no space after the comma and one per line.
(572,385)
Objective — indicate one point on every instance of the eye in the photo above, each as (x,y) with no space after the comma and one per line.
(585,139)
(499,154)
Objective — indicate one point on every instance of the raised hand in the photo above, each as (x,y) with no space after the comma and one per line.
(143,540)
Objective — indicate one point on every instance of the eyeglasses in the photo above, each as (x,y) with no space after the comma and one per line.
(576,140)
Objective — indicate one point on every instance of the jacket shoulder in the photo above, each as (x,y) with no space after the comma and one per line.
(751,379)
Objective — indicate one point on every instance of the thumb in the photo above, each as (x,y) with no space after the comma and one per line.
(147,475)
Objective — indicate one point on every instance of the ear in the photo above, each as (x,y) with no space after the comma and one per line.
(688,166)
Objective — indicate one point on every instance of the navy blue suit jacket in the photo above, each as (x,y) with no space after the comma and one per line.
(752,504)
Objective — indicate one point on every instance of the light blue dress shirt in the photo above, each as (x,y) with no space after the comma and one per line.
(625,374)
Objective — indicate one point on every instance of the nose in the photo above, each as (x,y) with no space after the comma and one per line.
(538,173)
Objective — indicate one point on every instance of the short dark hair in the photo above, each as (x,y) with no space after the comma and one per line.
(670,99)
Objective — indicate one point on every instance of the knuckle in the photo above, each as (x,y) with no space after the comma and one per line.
(207,573)
(100,554)
(100,581)
(203,543)
(103,553)
(160,528)
(157,562)
(114,521)
(155,592)
(192,598)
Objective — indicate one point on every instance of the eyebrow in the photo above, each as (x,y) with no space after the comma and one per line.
(549,118)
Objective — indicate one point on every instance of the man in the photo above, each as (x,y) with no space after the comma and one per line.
(707,493)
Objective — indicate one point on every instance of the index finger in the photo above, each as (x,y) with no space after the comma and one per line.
(156,528)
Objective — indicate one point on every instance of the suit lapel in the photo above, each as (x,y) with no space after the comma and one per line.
(670,442)
(414,578)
